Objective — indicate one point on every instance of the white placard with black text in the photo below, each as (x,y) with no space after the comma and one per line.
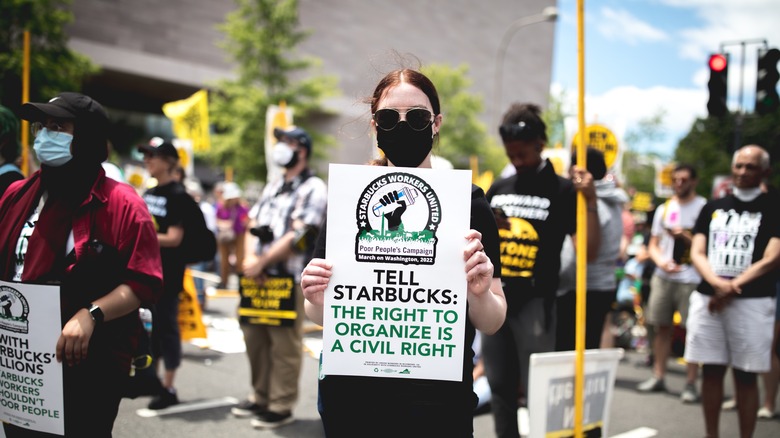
(396,303)
(30,376)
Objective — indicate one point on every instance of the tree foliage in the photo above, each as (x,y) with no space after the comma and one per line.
(463,135)
(639,169)
(53,66)
(710,143)
(261,36)
(554,117)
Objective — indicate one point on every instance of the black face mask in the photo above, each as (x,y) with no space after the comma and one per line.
(404,146)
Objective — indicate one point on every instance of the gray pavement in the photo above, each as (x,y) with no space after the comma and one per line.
(222,378)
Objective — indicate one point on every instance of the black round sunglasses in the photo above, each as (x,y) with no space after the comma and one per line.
(387,118)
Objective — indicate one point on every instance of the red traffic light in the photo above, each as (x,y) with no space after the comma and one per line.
(718,62)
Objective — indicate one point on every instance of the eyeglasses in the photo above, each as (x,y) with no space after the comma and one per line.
(52,128)
(417,118)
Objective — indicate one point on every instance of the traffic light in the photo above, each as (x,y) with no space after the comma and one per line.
(719,69)
(767,100)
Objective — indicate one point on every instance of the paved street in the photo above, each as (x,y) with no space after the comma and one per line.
(210,380)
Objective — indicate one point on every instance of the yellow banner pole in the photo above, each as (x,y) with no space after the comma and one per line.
(582,236)
(26,98)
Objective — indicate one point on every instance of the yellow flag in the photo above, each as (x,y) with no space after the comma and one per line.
(190,119)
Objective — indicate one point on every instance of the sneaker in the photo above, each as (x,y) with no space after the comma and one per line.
(765,414)
(247,409)
(651,385)
(689,394)
(165,399)
(271,420)
(729,405)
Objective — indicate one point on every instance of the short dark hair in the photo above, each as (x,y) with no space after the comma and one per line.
(685,166)
(596,164)
(523,121)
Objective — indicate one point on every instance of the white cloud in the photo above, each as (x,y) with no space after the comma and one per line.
(728,21)
(621,25)
(622,108)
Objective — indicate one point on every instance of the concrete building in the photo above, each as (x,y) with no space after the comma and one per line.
(153,52)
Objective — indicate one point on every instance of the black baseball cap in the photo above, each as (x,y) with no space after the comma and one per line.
(70,106)
(164,149)
(296,133)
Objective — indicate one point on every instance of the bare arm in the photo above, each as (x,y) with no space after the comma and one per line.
(171,238)
(658,257)
(314,280)
(280,250)
(768,263)
(487,303)
(724,288)
(73,343)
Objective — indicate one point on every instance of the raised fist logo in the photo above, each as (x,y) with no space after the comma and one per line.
(393,217)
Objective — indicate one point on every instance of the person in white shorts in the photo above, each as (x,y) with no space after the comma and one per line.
(736,249)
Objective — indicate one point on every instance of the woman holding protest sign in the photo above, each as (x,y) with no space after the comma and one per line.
(407,117)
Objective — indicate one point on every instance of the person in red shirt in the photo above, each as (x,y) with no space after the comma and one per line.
(70,225)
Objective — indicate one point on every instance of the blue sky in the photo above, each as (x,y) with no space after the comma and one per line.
(646,56)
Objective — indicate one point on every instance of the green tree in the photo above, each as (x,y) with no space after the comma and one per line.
(261,38)
(463,135)
(710,144)
(639,169)
(53,66)
(554,117)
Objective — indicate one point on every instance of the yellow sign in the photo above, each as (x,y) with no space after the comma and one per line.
(190,119)
(663,179)
(665,176)
(190,317)
(601,138)
(642,201)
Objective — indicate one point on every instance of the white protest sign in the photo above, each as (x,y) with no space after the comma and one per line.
(551,392)
(396,303)
(31,393)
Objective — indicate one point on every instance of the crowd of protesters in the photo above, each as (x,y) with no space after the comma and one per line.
(713,263)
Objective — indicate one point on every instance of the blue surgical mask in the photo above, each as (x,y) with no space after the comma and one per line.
(53,152)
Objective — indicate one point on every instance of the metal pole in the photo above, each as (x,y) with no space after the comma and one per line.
(26,98)
(582,234)
(741,78)
(738,120)
(548,14)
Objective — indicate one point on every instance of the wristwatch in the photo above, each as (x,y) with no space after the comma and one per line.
(95,313)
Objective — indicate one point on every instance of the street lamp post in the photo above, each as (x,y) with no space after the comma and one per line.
(549,13)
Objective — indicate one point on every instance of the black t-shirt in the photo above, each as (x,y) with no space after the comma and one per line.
(167,205)
(534,213)
(340,392)
(737,234)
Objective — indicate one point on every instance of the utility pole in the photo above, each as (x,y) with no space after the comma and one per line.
(740,113)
